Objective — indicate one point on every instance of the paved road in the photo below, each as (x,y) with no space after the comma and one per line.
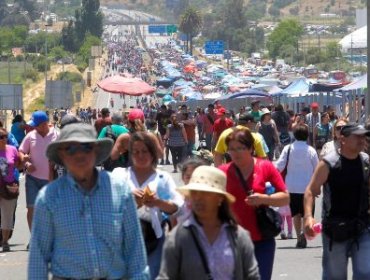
(290,263)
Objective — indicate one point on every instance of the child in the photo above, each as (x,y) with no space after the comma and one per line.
(285,214)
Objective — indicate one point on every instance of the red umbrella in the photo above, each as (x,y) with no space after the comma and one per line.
(123,85)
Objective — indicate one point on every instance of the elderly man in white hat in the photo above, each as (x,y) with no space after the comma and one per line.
(209,244)
(85,224)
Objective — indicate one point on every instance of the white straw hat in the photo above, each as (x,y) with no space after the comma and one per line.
(207,179)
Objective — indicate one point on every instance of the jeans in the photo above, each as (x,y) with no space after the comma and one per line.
(335,261)
(154,259)
(33,186)
(264,251)
(177,154)
(209,141)
(190,148)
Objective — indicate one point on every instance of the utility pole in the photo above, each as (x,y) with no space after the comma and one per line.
(9,77)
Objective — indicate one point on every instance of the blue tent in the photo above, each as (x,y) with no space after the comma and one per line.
(299,86)
(246,93)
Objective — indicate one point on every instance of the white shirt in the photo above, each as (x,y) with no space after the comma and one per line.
(302,163)
(168,189)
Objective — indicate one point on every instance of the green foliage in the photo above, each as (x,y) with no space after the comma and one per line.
(58,53)
(12,37)
(89,19)
(31,74)
(36,43)
(288,32)
(37,104)
(70,76)
(40,63)
(191,23)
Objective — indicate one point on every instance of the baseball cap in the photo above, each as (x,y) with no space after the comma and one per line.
(135,114)
(38,118)
(221,111)
(354,129)
(245,118)
(314,105)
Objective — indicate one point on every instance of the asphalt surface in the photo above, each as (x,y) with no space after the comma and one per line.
(290,263)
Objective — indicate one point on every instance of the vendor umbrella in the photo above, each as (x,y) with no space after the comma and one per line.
(128,86)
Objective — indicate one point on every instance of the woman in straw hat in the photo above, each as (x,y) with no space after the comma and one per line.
(209,244)
(246,180)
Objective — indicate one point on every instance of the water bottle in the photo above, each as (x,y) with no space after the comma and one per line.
(317,228)
(269,189)
(162,193)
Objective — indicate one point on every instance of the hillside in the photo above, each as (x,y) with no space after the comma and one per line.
(301,8)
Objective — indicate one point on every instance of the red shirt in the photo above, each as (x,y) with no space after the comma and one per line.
(264,171)
(220,125)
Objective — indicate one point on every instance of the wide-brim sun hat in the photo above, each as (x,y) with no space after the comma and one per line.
(265,111)
(207,179)
(81,133)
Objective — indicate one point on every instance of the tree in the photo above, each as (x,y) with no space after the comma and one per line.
(191,24)
(69,37)
(288,32)
(89,19)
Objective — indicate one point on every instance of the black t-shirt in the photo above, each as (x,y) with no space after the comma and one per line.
(345,185)
(163,119)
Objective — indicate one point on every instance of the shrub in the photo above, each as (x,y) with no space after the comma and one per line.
(31,74)
(69,76)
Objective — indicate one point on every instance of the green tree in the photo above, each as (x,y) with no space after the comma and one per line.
(288,32)
(69,37)
(89,19)
(191,24)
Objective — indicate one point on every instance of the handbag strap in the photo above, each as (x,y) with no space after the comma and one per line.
(201,253)
(287,159)
(246,188)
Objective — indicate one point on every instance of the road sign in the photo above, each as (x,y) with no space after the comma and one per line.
(157,29)
(227,55)
(171,29)
(214,47)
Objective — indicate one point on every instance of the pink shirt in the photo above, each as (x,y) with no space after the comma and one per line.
(35,145)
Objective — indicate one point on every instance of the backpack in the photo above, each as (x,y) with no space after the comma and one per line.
(109,164)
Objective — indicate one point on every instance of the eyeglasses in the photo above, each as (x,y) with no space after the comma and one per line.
(83,147)
(2,137)
(237,150)
(339,127)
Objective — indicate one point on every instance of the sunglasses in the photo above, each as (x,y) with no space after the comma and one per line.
(2,137)
(339,127)
(83,147)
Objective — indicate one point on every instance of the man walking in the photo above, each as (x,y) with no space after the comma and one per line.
(85,225)
(345,176)
(32,154)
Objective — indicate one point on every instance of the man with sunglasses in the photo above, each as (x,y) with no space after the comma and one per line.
(344,175)
(85,224)
(32,154)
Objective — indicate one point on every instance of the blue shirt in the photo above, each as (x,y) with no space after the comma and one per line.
(80,234)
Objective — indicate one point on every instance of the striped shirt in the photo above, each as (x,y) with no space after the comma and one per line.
(80,234)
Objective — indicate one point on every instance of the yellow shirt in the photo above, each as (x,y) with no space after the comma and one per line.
(221,146)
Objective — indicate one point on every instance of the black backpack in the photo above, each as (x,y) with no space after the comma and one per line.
(110,164)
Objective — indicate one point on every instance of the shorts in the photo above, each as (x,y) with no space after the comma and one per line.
(33,186)
(296,204)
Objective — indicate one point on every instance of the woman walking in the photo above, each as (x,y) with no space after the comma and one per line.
(176,140)
(209,244)
(246,180)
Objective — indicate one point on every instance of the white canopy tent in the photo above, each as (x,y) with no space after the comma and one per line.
(354,40)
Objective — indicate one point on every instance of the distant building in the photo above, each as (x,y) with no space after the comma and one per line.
(355,42)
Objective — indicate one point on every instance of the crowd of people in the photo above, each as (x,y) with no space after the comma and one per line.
(91,188)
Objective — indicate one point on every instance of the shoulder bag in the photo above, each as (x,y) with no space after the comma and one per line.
(268,220)
(202,254)
(284,172)
(7,190)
